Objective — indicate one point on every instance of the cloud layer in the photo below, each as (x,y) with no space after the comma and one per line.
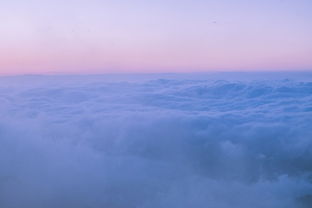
(155,143)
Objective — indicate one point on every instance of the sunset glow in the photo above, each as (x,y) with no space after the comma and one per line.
(154,36)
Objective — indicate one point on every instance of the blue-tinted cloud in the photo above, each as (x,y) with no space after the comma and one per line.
(153,143)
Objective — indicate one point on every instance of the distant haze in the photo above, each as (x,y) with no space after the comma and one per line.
(93,36)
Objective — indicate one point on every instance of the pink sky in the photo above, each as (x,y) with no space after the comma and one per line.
(156,36)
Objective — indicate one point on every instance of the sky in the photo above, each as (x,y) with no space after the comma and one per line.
(96,36)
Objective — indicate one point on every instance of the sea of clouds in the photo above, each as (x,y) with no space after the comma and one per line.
(156,141)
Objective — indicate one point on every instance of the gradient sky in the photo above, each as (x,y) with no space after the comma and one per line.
(95,36)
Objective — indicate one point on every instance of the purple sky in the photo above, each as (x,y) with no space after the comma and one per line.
(96,36)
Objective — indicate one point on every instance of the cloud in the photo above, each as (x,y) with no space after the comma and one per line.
(87,141)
